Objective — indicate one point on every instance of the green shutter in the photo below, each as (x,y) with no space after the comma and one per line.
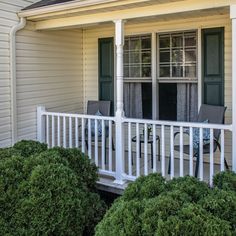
(106,70)
(213,66)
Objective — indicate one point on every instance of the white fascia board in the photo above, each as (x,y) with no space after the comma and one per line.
(233,11)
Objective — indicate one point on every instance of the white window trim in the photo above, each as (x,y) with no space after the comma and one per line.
(155,60)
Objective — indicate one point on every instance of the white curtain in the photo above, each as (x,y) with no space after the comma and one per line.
(133,100)
(187,102)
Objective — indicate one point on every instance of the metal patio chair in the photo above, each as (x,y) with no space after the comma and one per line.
(214,115)
(104,107)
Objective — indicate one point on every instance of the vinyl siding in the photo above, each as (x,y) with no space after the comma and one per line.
(8,18)
(49,73)
(91,37)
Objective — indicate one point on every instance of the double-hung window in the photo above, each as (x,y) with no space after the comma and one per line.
(177,76)
(137,77)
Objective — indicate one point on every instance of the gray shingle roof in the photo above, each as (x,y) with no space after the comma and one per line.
(44,3)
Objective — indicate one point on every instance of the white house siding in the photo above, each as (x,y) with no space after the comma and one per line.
(91,51)
(49,73)
(8,18)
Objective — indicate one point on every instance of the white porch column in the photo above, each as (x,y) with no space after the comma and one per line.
(233,17)
(119,41)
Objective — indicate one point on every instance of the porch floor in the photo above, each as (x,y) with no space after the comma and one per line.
(106,183)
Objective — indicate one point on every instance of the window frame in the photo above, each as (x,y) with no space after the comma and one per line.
(138,79)
(182,79)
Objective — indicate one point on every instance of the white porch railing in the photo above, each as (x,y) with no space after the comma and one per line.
(143,153)
(79,131)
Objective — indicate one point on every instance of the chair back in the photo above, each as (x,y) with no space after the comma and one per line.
(214,114)
(103,106)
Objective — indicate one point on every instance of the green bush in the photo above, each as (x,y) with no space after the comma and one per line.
(225,180)
(192,186)
(48,193)
(27,148)
(222,204)
(183,206)
(193,220)
(145,187)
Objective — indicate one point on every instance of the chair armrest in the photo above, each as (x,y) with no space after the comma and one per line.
(184,132)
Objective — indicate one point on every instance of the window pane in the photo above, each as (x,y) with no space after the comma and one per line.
(126,46)
(146,57)
(126,71)
(146,71)
(177,71)
(190,55)
(177,56)
(126,58)
(135,44)
(190,71)
(165,56)
(164,41)
(190,39)
(146,43)
(164,70)
(134,57)
(177,41)
(135,71)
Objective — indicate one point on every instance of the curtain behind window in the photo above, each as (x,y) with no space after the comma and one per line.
(187,102)
(133,100)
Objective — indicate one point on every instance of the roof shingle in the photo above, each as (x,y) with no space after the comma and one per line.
(44,3)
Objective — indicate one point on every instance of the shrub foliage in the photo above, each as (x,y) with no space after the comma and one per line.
(183,206)
(47,191)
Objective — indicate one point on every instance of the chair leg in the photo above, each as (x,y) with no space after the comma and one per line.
(152,155)
(197,165)
(169,166)
(225,162)
(113,145)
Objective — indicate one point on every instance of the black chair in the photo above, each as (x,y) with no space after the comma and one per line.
(104,107)
(214,115)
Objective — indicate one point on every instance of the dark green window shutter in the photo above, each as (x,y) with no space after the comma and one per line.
(213,66)
(106,70)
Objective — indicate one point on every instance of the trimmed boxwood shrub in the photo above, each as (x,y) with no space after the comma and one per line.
(225,180)
(183,206)
(48,191)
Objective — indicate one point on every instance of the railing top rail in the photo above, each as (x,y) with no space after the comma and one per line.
(179,124)
(74,115)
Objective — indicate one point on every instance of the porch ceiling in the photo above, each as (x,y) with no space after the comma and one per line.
(130,11)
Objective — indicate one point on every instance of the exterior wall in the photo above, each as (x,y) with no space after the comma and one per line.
(8,18)
(91,51)
(49,73)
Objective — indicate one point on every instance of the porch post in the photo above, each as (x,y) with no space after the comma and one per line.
(40,124)
(119,41)
(233,17)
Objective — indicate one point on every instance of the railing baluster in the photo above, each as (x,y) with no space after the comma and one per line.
(58,131)
(191,151)
(47,131)
(70,132)
(211,156)
(154,140)
(89,139)
(64,131)
(129,150)
(222,153)
(172,168)
(201,154)
(96,142)
(76,133)
(53,131)
(181,153)
(110,145)
(83,134)
(137,150)
(163,159)
(103,146)
(145,150)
